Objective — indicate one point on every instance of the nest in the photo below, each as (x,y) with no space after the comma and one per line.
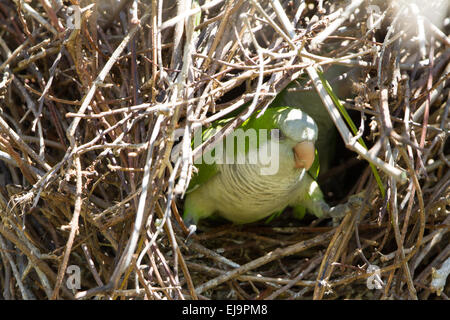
(94,98)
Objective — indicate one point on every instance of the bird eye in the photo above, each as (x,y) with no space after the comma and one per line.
(281,135)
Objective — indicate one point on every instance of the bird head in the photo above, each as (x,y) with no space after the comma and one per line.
(299,131)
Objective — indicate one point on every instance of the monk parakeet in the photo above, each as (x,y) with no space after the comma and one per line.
(299,95)
(263,177)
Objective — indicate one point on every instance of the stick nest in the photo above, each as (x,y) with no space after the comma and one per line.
(92,107)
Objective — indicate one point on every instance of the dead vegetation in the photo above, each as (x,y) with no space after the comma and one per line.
(91,108)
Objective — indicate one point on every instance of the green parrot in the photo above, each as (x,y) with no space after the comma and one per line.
(263,177)
(297,95)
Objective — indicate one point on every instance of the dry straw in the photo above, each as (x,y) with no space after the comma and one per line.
(90,186)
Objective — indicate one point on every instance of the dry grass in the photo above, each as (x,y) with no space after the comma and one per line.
(89,118)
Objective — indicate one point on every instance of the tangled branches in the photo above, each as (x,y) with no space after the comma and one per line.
(94,98)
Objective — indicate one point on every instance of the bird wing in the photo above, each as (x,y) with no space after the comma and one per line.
(266,121)
(206,171)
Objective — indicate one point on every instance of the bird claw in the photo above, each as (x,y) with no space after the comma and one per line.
(192,228)
(190,225)
(354,203)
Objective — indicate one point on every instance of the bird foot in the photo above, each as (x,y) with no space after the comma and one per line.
(341,210)
(192,228)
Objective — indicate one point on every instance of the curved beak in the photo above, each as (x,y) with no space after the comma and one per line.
(304,153)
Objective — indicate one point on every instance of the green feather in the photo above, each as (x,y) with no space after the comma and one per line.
(267,121)
(197,206)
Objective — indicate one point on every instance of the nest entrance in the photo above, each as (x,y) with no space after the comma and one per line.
(91,108)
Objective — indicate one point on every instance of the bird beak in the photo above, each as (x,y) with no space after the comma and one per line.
(304,154)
